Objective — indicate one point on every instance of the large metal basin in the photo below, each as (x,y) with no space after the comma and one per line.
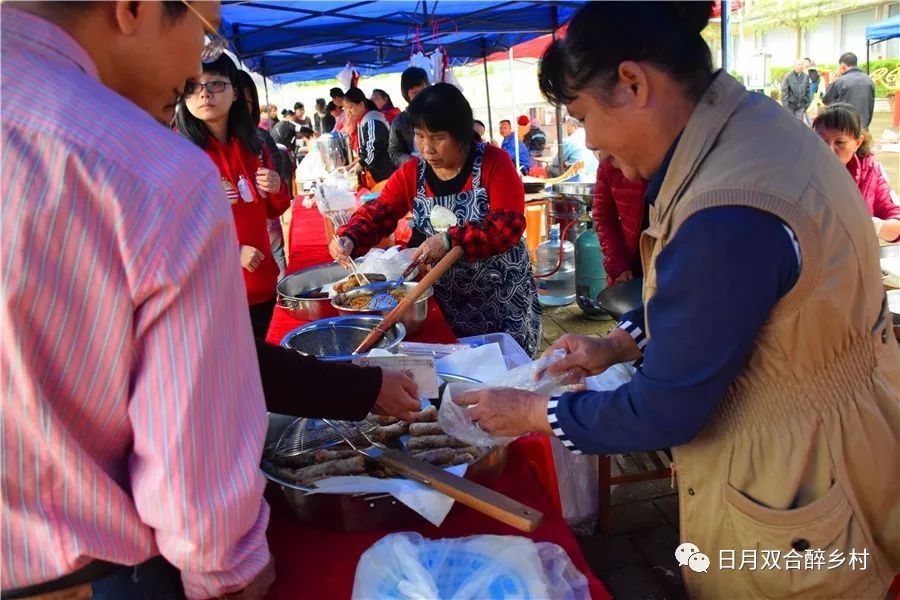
(335,338)
(309,309)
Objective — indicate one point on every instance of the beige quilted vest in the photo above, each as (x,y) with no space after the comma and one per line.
(803,452)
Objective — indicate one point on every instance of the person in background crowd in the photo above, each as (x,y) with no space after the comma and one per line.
(402,145)
(491,289)
(510,142)
(329,121)
(535,139)
(619,213)
(305,140)
(211,117)
(795,91)
(814,78)
(285,131)
(265,123)
(373,137)
(575,150)
(109,484)
(479,129)
(853,87)
(337,97)
(300,118)
(281,157)
(319,115)
(273,113)
(839,126)
(768,364)
(383,102)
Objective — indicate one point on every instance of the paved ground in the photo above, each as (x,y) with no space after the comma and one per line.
(636,558)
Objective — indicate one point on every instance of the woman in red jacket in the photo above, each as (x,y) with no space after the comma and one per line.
(619,209)
(840,127)
(466,194)
(214,115)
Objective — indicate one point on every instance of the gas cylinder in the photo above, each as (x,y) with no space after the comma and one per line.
(590,276)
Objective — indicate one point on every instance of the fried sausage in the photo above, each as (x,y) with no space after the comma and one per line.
(437,456)
(425,429)
(427,442)
(390,432)
(429,415)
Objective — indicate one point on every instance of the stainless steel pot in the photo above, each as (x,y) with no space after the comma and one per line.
(335,338)
(334,148)
(309,309)
(413,320)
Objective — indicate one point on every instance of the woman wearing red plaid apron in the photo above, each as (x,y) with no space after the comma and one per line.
(466,194)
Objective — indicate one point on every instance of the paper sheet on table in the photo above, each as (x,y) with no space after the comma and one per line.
(481,364)
(431,504)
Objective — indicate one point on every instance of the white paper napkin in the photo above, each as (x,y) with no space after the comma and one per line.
(431,504)
(481,364)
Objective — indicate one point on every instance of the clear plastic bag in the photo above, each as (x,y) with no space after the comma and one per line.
(408,566)
(455,419)
(391,262)
(419,60)
(534,377)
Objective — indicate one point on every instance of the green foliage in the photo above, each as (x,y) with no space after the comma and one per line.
(776,74)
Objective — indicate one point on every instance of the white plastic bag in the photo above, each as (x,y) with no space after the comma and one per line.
(450,78)
(419,60)
(391,262)
(345,76)
(455,419)
(408,566)
(576,474)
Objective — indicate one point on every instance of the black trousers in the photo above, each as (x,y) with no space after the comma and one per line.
(261,316)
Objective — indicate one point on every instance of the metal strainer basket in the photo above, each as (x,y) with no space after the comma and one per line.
(336,338)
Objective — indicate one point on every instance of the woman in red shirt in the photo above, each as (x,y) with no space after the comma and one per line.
(213,115)
(839,125)
(384,103)
(492,288)
(618,217)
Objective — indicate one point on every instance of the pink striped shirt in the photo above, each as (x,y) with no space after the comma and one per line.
(133,416)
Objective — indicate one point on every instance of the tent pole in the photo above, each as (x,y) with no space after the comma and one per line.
(266,88)
(487,90)
(559,125)
(726,26)
(868,45)
(514,121)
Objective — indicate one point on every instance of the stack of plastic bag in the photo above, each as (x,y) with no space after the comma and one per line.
(406,565)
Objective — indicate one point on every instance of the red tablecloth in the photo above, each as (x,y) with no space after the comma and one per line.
(318,563)
(307,245)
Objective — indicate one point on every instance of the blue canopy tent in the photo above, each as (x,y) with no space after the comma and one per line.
(293,41)
(307,41)
(880,32)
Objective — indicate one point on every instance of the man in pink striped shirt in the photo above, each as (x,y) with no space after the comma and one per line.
(133,414)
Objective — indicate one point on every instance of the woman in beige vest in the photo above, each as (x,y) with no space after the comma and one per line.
(767,359)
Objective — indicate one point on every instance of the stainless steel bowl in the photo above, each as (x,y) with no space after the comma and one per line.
(336,338)
(413,319)
(309,309)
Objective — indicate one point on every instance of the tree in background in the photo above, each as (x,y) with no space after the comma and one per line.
(797,15)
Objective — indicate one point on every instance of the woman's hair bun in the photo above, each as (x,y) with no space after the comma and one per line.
(693,16)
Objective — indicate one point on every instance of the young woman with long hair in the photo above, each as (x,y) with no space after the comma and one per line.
(213,114)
